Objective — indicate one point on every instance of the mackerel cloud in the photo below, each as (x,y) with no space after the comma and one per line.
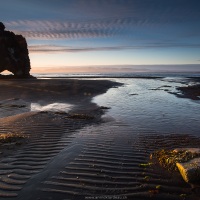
(105,18)
(55,29)
(60,49)
(130,24)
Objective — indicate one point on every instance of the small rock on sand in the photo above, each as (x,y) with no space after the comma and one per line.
(186,160)
(190,170)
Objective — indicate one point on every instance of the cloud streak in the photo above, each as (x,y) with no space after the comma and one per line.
(65,49)
(101,18)
(69,30)
(77,19)
(108,25)
(123,29)
(119,68)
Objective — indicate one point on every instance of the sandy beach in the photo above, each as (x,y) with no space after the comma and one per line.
(100,100)
(24,100)
(60,148)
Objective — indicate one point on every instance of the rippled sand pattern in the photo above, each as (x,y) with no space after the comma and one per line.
(101,161)
(75,159)
(108,166)
(49,139)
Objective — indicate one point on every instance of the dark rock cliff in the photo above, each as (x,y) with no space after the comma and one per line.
(14,55)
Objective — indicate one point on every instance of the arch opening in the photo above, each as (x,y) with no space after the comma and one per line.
(6,72)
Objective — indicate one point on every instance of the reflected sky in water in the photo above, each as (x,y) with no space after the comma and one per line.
(10,107)
(147,105)
(51,107)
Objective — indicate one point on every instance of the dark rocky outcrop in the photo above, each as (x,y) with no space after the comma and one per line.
(14,55)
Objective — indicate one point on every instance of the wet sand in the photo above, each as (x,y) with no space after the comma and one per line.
(189,91)
(79,158)
(192,92)
(22,100)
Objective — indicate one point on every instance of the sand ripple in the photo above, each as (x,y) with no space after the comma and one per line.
(94,162)
(108,168)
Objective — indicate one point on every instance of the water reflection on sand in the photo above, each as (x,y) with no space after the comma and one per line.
(51,107)
(148,104)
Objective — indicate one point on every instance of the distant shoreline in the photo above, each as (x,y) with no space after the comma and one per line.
(99,77)
(52,134)
(90,75)
(118,75)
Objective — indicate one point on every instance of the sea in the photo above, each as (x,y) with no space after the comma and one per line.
(120,75)
(110,159)
(146,102)
(145,115)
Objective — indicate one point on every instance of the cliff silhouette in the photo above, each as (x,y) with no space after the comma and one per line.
(14,54)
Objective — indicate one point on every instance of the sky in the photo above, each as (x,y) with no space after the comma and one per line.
(107,35)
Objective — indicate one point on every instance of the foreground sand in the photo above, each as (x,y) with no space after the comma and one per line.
(65,157)
(22,100)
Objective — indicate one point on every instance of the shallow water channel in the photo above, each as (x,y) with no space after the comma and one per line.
(103,161)
(148,105)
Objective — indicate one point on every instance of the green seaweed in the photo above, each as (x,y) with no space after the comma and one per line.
(183,195)
(11,137)
(158,187)
(145,165)
(146,178)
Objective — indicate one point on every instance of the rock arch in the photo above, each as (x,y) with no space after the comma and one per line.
(14,55)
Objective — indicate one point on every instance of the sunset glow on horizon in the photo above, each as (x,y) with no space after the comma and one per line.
(72,35)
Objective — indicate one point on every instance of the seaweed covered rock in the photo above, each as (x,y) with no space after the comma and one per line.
(192,91)
(14,55)
(190,170)
(186,160)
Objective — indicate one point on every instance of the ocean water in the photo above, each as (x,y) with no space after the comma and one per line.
(148,105)
(145,104)
(144,116)
(103,160)
(114,75)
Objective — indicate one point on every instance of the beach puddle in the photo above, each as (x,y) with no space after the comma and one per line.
(10,107)
(153,108)
(109,160)
(13,106)
(113,160)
